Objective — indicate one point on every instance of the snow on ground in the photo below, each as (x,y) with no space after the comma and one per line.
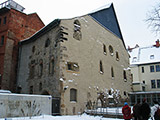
(75,117)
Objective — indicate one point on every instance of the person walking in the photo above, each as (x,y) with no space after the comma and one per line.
(126,110)
(155,111)
(145,110)
(136,111)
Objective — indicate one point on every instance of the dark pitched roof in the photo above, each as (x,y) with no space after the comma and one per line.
(107,18)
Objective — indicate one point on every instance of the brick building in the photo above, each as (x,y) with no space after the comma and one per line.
(14,26)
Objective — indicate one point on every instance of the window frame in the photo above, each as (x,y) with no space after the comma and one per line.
(73,95)
(2,40)
(152,69)
(153,84)
(101,67)
(142,69)
(158,83)
(157,68)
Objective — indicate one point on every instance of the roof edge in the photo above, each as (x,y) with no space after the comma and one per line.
(42,31)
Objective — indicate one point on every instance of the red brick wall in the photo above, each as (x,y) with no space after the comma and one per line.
(19,26)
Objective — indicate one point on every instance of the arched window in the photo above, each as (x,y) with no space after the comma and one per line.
(40,86)
(101,67)
(77,30)
(111,50)
(112,72)
(33,49)
(47,43)
(73,95)
(41,67)
(51,65)
(117,56)
(124,75)
(104,49)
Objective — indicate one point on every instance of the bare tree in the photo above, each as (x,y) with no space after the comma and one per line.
(153,19)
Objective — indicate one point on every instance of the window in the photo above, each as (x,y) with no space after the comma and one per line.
(112,72)
(40,86)
(153,84)
(111,50)
(134,59)
(41,67)
(4,20)
(0,21)
(31,90)
(73,95)
(47,43)
(104,49)
(51,66)
(152,68)
(73,66)
(33,49)
(124,75)
(77,30)
(157,68)
(101,67)
(2,40)
(142,69)
(32,69)
(151,56)
(117,56)
(143,82)
(158,83)
(125,93)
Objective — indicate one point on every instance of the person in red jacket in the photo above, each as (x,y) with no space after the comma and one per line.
(126,110)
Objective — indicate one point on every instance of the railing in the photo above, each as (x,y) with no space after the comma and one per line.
(11,4)
(115,112)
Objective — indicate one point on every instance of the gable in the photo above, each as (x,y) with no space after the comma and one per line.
(107,18)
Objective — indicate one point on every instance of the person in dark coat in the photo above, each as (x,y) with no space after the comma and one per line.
(145,110)
(126,110)
(136,111)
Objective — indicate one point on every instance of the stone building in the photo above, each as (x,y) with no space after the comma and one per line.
(14,26)
(79,61)
(145,67)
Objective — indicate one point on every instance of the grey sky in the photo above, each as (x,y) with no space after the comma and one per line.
(130,13)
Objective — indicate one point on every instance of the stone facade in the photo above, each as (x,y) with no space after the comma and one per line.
(14,26)
(78,61)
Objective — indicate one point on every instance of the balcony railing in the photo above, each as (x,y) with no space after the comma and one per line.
(12,4)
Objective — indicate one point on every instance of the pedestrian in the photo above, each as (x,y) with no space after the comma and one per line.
(126,110)
(155,111)
(136,111)
(145,110)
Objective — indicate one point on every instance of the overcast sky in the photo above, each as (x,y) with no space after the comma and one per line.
(131,15)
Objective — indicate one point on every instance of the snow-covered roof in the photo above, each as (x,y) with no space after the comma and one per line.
(144,55)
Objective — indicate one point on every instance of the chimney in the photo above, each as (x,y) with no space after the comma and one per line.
(157,43)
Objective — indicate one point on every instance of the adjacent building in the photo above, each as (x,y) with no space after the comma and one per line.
(145,67)
(77,61)
(15,25)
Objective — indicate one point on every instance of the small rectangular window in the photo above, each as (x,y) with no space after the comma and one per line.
(153,84)
(0,21)
(142,69)
(2,40)
(157,68)
(152,68)
(73,66)
(158,83)
(151,56)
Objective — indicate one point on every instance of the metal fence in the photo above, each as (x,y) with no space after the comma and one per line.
(115,112)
